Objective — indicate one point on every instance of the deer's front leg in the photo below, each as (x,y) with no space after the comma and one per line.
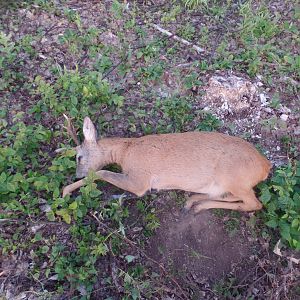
(125,182)
(72,187)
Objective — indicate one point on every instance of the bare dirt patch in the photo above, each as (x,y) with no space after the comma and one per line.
(198,244)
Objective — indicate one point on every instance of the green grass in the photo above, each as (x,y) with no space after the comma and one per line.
(194,3)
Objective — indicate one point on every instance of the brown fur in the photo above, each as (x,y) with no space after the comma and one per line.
(222,170)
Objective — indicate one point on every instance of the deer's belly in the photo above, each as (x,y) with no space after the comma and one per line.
(208,186)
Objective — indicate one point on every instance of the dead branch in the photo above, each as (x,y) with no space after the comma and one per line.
(277,251)
(71,130)
(177,38)
(114,276)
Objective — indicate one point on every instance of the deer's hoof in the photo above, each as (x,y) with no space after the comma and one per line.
(65,192)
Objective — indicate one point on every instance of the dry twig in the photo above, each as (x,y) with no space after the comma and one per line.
(71,130)
(177,38)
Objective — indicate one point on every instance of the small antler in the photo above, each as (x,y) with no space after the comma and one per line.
(71,130)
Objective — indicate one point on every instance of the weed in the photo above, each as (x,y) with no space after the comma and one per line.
(45,5)
(204,36)
(275,102)
(152,72)
(149,51)
(171,15)
(9,62)
(150,219)
(73,16)
(152,222)
(224,59)
(191,81)
(177,110)
(194,3)
(31,179)
(187,32)
(232,226)
(179,198)
(17,157)
(258,24)
(209,122)
(78,266)
(220,213)
(281,198)
(76,41)
(117,9)
(290,146)
(257,32)
(225,288)
(75,93)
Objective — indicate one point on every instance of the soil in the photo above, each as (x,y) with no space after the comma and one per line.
(197,244)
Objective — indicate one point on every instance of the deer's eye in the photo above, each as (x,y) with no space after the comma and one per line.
(79,158)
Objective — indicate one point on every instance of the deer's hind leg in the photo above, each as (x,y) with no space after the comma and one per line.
(193,199)
(241,200)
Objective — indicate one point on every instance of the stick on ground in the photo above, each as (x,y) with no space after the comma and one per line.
(177,38)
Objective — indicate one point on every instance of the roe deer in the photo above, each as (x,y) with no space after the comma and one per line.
(221,170)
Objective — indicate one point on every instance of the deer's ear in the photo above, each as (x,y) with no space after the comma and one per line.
(89,130)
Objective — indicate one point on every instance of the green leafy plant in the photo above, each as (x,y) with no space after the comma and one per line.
(77,41)
(149,52)
(73,16)
(178,110)
(150,218)
(209,122)
(19,166)
(171,15)
(258,24)
(281,198)
(194,3)
(192,81)
(227,288)
(75,93)
(152,72)
(9,62)
(257,29)
(78,267)
(187,32)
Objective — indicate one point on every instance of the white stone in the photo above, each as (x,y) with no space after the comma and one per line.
(45,208)
(284,109)
(284,117)
(263,99)
(35,228)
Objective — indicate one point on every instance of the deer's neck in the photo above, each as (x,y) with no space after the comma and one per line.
(114,149)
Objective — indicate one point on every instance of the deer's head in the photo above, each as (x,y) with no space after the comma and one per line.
(89,155)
